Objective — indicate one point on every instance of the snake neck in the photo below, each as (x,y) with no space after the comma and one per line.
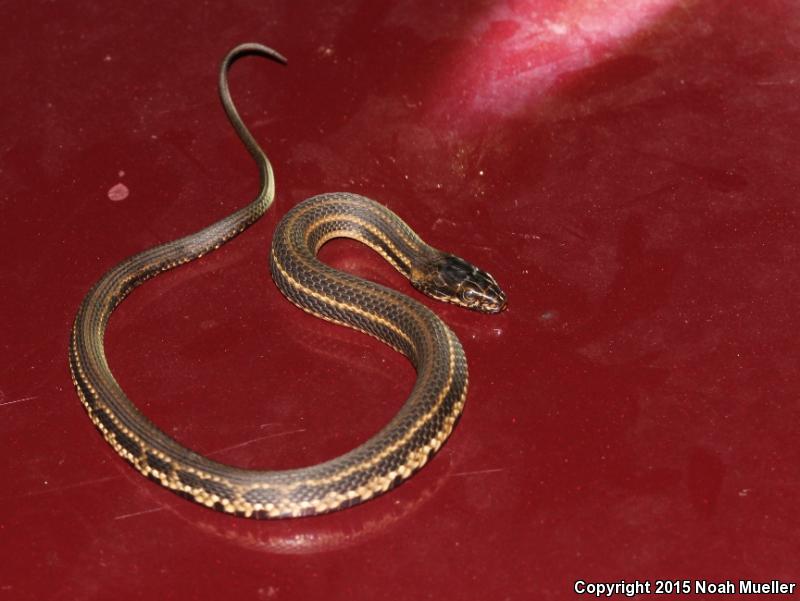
(344,298)
(344,215)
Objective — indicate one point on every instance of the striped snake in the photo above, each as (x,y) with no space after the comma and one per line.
(385,460)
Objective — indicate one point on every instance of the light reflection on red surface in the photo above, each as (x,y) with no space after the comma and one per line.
(517,51)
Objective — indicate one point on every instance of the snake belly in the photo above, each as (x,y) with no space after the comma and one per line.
(386,459)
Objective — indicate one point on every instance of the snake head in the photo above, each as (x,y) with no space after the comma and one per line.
(454,280)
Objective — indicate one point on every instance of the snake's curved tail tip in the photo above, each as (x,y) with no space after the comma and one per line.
(256,48)
(277,56)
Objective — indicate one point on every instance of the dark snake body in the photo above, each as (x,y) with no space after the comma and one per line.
(386,459)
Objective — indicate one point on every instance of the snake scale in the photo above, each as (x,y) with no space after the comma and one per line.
(389,457)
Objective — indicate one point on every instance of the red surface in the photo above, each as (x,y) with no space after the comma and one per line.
(627,170)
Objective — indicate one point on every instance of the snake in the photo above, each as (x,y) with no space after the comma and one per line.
(391,456)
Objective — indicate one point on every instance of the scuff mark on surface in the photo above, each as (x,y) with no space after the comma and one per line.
(118,192)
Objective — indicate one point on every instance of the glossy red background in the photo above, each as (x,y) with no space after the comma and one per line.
(626,169)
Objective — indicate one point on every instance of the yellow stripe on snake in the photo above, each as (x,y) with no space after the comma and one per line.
(392,455)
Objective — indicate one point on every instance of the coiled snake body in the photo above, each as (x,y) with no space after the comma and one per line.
(389,457)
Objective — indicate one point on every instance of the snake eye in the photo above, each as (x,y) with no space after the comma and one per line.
(469,295)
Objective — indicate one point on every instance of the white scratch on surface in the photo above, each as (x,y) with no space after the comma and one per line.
(50,491)
(22,400)
(125,516)
(252,440)
(477,472)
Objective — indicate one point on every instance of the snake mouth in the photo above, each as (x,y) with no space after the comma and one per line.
(499,308)
(494,305)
